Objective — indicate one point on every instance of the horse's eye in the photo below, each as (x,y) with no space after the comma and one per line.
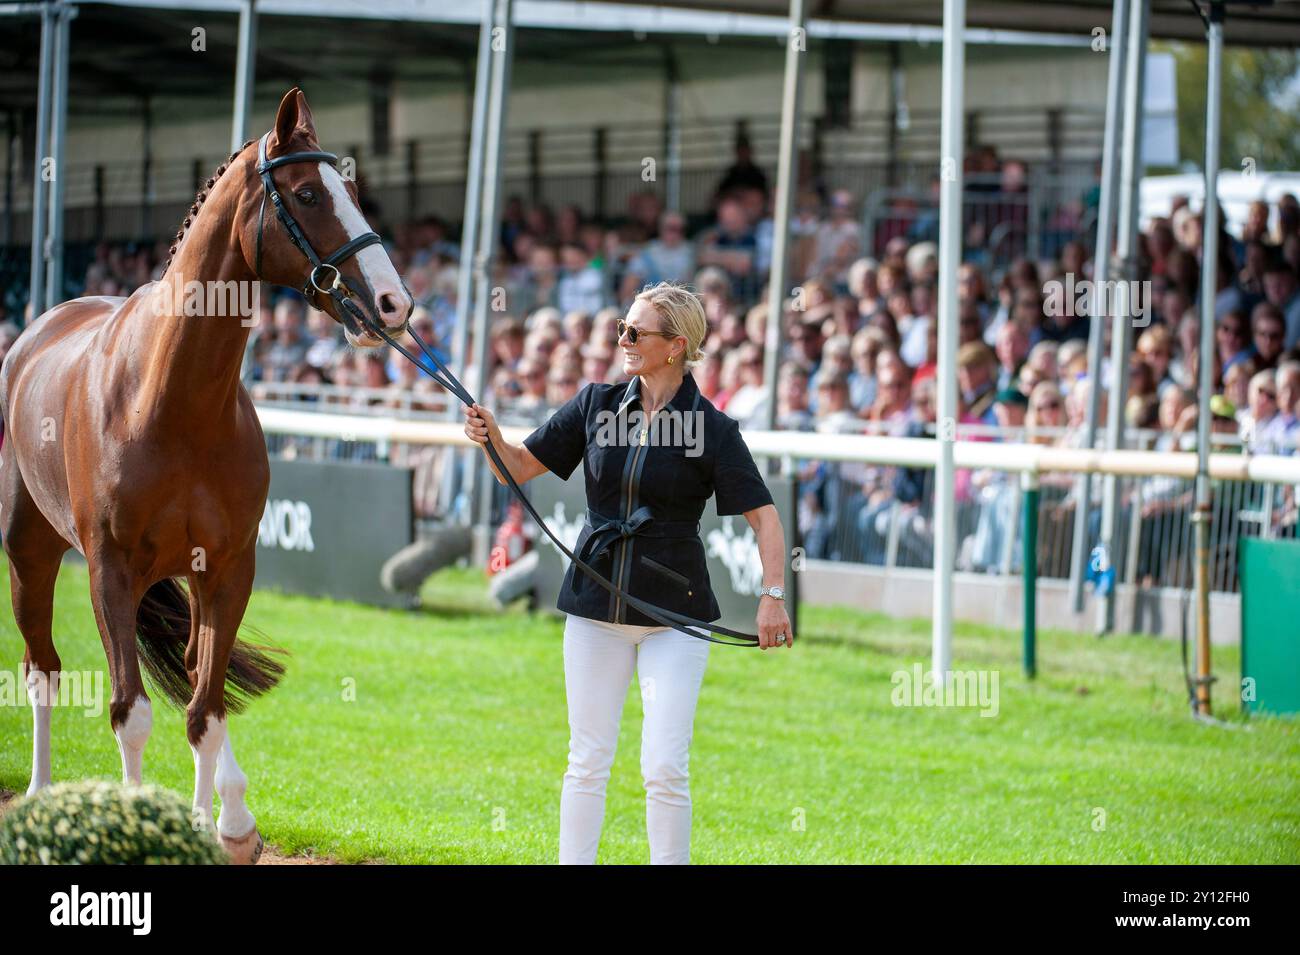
(306,196)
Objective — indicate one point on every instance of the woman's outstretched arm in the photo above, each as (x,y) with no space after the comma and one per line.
(480,425)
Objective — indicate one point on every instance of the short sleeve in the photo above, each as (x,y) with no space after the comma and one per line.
(737,484)
(561,441)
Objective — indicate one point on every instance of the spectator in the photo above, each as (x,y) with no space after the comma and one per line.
(1283,290)
(1232,341)
(743,172)
(288,348)
(1257,421)
(867,343)
(1267,334)
(582,283)
(1283,430)
(748,402)
(731,245)
(839,240)
(1155,348)
(793,413)
(562,384)
(892,409)
(669,258)
(834,416)
(1045,414)
(976,376)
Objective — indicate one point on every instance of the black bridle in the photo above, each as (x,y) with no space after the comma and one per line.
(355,319)
(318,279)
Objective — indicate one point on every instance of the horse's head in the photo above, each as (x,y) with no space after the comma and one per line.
(322,206)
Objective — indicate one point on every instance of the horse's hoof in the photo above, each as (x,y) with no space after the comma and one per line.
(243,851)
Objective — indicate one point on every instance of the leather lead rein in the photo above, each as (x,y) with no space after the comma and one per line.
(341,292)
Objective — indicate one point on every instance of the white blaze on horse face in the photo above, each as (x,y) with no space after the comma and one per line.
(376,267)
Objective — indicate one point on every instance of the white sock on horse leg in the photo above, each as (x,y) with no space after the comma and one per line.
(205,767)
(235,821)
(42,690)
(131,738)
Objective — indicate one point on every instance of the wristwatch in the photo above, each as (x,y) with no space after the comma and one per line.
(776,592)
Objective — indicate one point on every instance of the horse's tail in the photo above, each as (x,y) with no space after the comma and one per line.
(162,627)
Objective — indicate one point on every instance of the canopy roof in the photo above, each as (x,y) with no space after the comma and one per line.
(1251,24)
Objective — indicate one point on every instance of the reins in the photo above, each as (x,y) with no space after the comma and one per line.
(355,318)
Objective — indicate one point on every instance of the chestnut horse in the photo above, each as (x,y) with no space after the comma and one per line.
(130,437)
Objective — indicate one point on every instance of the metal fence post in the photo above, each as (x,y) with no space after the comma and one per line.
(1029,485)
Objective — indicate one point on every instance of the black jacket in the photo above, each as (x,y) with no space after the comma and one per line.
(644,500)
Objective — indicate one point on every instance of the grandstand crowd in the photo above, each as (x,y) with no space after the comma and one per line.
(859,333)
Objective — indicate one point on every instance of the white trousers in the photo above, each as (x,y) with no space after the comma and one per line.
(599,659)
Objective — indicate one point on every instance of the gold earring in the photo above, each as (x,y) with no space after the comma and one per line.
(670,359)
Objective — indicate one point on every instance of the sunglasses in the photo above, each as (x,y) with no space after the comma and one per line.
(633,333)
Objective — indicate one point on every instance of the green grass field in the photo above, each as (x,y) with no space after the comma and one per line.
(454,748)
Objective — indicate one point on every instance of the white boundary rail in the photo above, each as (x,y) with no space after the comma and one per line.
(871,449)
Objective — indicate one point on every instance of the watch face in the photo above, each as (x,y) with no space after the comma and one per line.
(776,592)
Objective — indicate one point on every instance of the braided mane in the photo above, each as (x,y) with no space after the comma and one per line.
(198,203)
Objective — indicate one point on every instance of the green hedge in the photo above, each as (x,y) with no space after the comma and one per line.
(95,822)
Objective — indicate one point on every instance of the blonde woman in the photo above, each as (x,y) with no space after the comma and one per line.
(653,447)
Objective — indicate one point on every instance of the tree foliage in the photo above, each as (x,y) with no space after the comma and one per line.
(1260,107)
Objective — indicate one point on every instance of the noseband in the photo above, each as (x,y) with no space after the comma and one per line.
(319,280)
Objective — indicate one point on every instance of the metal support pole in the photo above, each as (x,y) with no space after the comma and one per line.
(99,202)
(898,119)
(672,131)
(535,166)
(493,156)
(952,150)
(245,73)
(146,167)
(460,474)
(36,286)
(600,177)
(1126,254)
(796,46)
(1029,485)
(58,139)
(1209,283)
(412,177)
(473,192)
(1100,275)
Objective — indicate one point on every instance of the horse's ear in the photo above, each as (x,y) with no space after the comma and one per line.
(305,121)
(287,119)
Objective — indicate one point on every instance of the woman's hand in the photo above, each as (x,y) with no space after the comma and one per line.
(772,620)
(480,426)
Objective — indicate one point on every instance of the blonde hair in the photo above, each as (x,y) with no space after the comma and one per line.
(682,313)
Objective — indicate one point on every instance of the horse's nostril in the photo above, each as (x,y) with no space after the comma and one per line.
(388,304)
